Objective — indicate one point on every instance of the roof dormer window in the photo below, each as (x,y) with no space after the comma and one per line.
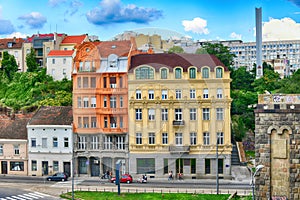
(9,44)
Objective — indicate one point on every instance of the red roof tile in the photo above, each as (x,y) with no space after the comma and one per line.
(16,43)
(74,39)
(120,48)
(47,35)
(60,53)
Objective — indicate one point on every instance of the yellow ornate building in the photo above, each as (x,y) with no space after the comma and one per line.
(179,110)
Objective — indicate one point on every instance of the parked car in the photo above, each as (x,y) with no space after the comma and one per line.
(59,176)
(125,178)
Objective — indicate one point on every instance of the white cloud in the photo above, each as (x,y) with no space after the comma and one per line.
(34,19)
(17,35)
(236,36)
(197,25)
(280,29)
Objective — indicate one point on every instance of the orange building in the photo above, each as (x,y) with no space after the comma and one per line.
(101,106)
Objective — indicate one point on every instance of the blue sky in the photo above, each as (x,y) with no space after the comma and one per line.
(198,19)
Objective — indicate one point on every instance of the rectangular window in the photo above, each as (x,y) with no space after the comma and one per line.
(220,114)
(85,102)
(53,72)
(220,166)
(207,166)
(17,149)
(33,142)
(113,82)
(206,138)
(53,60)
(55,166)
(64,72)
(178,94)
(82,141)
(164,114)
(113,102)
(85,82)
(121,102)
(151,94)
(66,142)
(193,138)
(219,93)
(79,102)
(108,142)
(113,122)
(145,165)
(178,139)
(33,165)
(138,138)
(104,82)
(138,114)
(44,143)
(79,122)
(1,149)
(205,93)
(151,114)
(219,72)
(193,114)
(105,102)
(164,94)
(205,113)
(93,82)
(85,122)
(178,114)
(121,82)
(151,138)
(55,142)
(220,137)
(105,122)
(121,122)
(192,94)
(93,122)
(93,102)
(95,142)
(120,142)
(138,94)
(166,167)
(79,82)
(16,166)
(164,138)
(64,61)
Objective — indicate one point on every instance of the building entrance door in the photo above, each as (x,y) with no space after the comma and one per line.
(45,167)
(3,167)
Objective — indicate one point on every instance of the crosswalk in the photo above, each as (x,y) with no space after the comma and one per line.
(66,183)
(27,196)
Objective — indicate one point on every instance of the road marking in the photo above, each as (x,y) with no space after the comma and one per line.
(66,183)
(26,196)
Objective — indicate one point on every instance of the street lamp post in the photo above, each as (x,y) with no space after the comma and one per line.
(257,169)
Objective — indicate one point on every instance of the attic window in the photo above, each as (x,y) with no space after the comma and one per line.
(87,49)
(9,44)
(113,46)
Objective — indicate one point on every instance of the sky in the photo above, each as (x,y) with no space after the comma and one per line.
(201,20)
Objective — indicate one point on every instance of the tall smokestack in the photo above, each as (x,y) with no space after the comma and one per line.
(258,20)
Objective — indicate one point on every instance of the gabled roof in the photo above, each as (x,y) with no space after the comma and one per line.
(16,43)
(14,127)
(60,53)
(173,60)
(53,115)
(120,48)
(74,39)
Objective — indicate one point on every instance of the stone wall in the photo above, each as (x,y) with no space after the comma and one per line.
(277,147)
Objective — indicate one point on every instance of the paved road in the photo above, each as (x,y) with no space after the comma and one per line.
(11,193)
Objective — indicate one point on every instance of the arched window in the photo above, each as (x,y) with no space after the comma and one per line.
(192,73)
(144,73)
(219,72)
(178,73)
(205,73)
(164,74)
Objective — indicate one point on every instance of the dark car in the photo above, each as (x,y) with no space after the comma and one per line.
(125,178)
(59,176)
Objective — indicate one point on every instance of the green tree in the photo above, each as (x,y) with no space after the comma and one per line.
(290,85)
(176,49)
(270,81)
(32,65)
(9,65)
(242,79)
(220,51)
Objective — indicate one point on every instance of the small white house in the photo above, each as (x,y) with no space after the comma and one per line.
(59,64)
(50,143)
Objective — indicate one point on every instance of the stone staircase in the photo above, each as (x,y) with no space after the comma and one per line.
(235,159)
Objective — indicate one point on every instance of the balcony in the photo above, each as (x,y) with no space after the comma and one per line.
(179,149)
(178,123)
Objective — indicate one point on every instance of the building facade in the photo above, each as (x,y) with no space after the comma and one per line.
(13,144)
(13,46)
(100,106)
(277,139)
(179,113)
(59,64)
(50,141)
